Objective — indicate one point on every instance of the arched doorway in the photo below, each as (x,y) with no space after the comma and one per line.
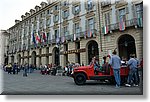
(56,56)
(92,48)
(33,58)
(19,59)
(126,45)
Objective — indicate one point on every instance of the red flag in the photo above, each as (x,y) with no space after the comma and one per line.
(38,38)
(44,36)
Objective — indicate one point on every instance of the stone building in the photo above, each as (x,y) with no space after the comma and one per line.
(75,31)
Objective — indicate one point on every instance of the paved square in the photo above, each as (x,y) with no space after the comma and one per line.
(36,83)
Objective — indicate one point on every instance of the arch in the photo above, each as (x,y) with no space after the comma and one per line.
(55,56)
(33,58)
(126,46)
(92,50)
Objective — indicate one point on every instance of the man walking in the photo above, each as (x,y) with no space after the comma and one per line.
(115,62)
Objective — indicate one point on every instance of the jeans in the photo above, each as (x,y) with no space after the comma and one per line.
(117,76)
(132,76)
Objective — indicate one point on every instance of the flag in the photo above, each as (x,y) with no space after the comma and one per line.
(34,40)
(121,25)
(140,22)
(105,30)
(89,33)
(44,36)
(74,37)
(38,38)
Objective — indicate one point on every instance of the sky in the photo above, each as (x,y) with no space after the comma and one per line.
(10,10)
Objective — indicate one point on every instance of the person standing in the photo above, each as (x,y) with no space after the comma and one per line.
(25,70)
(115,62)
(132,63)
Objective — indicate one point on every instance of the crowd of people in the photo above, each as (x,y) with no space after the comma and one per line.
(108,61)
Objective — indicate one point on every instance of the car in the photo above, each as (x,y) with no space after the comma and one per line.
(83,73)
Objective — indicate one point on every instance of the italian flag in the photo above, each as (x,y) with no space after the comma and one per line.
(121,25)
(105,30)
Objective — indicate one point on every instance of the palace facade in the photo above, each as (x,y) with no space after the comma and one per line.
(63,31)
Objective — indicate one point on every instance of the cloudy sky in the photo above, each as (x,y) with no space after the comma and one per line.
(13,9)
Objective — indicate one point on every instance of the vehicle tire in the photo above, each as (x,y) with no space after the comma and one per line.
(80,79)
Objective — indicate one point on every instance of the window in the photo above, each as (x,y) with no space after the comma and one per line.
(65,14)
(48,21)
(107,18)
(76,10)
(56,7)
(65,3)
(66,31)
(91,24)
(90,5)
(56,34)
(47,11)
(122,15)
(139,10)
(77,28)
(56,18)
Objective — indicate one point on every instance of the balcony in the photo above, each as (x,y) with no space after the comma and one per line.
(136,22)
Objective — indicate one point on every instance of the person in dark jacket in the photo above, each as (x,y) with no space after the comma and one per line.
(132,63)
(26,66)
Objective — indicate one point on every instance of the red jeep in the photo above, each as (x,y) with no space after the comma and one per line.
(83,73)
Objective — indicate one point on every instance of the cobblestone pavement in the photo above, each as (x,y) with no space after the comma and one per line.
(36,83)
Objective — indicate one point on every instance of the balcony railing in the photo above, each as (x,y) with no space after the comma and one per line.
(70,37)
(128,23)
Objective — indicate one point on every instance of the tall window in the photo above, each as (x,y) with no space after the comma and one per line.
(77,28)
(66,31)
(89,4)
(91,24)
(76,10)
(122,15)
(107,18)
(48,21)
(56,7)
(139,10)
(65,14)
(55,18)
(56,34)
